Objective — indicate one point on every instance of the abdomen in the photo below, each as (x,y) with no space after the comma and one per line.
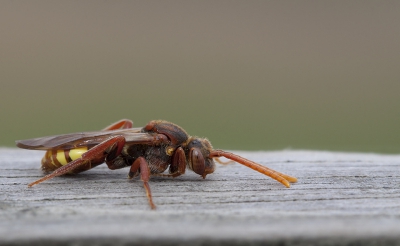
(53,159)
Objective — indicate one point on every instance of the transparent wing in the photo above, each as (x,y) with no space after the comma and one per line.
(74,140)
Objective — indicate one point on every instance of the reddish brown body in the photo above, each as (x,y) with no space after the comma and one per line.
(150,150)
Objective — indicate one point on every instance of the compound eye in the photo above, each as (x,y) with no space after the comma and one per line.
(197,161)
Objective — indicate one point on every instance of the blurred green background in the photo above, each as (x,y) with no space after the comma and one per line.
(249,75)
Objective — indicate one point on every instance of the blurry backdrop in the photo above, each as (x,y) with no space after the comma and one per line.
(249,75)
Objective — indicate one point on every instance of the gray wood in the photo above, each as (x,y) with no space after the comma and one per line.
(340,199)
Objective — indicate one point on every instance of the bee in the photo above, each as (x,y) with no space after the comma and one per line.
(147,151)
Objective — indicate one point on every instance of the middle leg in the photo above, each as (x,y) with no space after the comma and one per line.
(142,165)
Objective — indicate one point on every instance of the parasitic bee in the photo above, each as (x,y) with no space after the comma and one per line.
(147,151)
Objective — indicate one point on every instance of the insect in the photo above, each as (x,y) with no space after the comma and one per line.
(147,151)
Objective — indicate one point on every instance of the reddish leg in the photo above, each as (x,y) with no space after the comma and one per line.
(178,165)
(122,124)
(100,151)
(141,164)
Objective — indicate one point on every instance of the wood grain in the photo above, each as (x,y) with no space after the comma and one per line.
(340,199)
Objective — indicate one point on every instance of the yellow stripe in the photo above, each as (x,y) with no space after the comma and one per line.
(50,157)
(61,157)
(77,153)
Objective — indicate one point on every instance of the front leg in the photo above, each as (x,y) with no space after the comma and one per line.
(178,165)
(100,151)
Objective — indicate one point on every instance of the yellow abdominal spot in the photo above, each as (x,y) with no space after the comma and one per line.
(77,153)
(73,154)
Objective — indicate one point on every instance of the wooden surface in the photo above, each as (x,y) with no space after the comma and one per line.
(340,199)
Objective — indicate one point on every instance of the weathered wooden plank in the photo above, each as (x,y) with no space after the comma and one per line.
(341,198)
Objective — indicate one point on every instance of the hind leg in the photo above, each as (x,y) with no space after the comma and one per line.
(113,145)
(121,124)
